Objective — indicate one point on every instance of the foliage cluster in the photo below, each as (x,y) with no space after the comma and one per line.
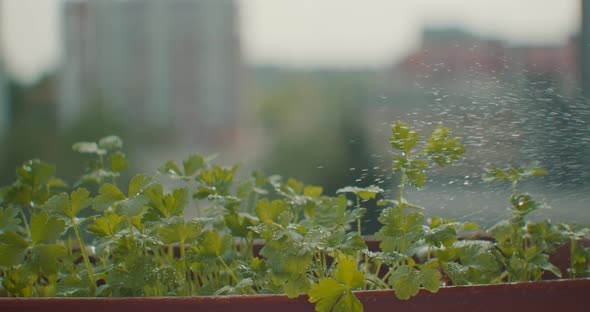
(193,229)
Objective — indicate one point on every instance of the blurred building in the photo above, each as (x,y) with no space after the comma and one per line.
(172,65)
(4,104)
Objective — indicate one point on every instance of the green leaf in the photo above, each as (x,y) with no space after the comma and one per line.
(403,139)
(416,172)
(118,162)
(296,285)
(169,204)
(329,295)
(533,170)
(59,203)
(111,142)
(347,273)
(80,199)
(441,235)
(493,174)
(36,173)
(313,191)
(524,204)
(12,248)
(108,195)
(178,230)
(171,168)
(296,186)
(107,225)
(69,207)
(268,212)
(47,258)
(192,164)
(442,150)
(430,279)
(133,206)
(405,281)
(45,228)
(212,243)
(137,184)
(9,220)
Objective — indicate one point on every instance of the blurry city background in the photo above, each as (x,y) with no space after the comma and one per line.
(307,89)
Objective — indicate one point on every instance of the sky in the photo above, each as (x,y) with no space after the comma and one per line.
(314,32)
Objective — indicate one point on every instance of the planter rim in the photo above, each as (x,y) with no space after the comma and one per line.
(578,282)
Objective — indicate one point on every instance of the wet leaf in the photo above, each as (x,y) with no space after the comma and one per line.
(329,295)
(403,138)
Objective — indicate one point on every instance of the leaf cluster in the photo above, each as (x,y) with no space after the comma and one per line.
(195,228)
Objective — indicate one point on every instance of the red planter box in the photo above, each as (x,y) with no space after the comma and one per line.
(556,295)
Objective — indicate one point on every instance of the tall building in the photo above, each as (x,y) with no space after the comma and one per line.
(171,65)
(4,104)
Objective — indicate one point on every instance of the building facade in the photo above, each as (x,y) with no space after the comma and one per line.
(171,65)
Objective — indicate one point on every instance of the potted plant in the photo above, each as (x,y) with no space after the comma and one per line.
(192,237)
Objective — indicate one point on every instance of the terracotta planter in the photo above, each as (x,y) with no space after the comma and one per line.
(548,295)
(556,295)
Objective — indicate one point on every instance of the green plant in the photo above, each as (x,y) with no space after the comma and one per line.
(193,229)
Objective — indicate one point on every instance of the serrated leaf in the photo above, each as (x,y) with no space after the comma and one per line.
(138,183)
(108,195)
(493,174)
(8,219)
(430,279)
(118,162)
(313,191)
(45,228)
(47,258)
(36,173)
(111,142)
(69,207)
(403,138)
(442,150)
(296,285)
(12,248)
(533,170)
(347,273)
(416,172)
(56,183)
(133,206)
(524,204)
(171,168)
(192,164)
(268,212)
(178,230)
(405,281)
(442,235)
(80,199)
(59,203)
(106,225)
(329,295)
(211,243)
(295,185)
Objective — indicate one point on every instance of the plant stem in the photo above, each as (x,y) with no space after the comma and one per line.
(84,256)
(231,273)
(25,222)
(402,182)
